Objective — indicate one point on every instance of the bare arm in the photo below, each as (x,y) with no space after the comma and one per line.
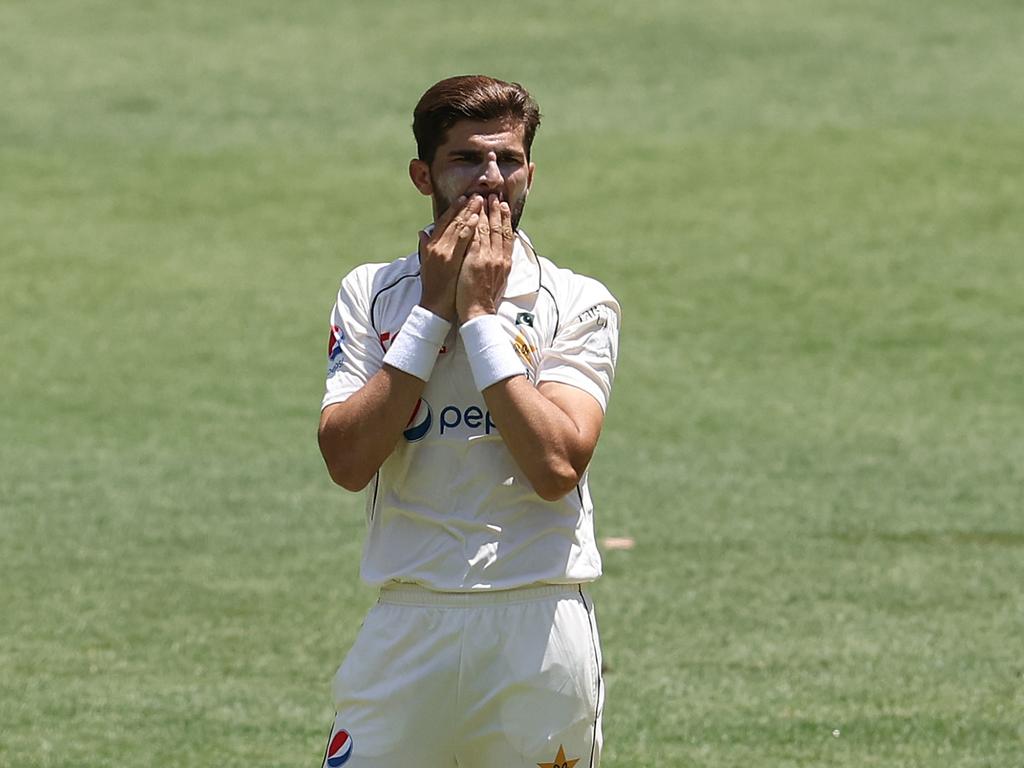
(550,430)
(356,436)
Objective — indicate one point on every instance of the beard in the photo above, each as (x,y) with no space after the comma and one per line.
(442,203)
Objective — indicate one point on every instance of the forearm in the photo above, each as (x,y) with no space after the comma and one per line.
(551,449)
(550,430)
(358,435)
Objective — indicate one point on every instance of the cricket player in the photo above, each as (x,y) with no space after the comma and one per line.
(466,388)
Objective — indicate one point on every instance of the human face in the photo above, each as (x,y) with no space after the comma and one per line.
(478,157)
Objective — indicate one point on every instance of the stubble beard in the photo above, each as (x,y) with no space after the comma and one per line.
(442,204)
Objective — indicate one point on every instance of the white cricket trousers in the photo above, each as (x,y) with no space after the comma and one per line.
(508,679)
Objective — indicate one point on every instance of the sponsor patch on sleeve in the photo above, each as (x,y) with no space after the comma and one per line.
(339,749)
(334,342)
(599,314)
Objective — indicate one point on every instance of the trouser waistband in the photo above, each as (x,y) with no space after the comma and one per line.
(413,594)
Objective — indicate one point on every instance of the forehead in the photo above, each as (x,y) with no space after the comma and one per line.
(485,135)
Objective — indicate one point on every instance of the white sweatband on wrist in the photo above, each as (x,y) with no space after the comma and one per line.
(414,348)
(489,349)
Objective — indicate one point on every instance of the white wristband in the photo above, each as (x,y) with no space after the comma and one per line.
(492,357)
(414,348)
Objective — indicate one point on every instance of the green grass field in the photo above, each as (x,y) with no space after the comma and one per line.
(813,215)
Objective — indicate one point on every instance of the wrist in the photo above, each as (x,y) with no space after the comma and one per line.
(492,358)
(414,349)
(476,310)
(446,311)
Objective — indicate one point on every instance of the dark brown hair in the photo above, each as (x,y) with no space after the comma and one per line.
(471,97)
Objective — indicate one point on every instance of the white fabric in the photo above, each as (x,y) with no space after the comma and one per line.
(436,680)
(450,509)
(492,356)
(415,349)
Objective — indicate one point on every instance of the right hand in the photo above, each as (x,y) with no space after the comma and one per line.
(487,262)
(441,255)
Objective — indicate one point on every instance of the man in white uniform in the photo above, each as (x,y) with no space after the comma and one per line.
(466,389)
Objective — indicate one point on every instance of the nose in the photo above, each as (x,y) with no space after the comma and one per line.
(491,174)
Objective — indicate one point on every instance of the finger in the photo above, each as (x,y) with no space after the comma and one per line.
(483,230)
(508,235)
(479,239)
(424,242)
(455,229)
(449,215)
(494,223)
(483,226)
(466,236)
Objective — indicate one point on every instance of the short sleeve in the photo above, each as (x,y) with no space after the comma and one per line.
(354,351)
(584,351)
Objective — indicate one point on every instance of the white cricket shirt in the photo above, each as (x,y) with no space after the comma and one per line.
(450,509)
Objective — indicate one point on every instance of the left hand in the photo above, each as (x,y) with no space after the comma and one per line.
(487,263)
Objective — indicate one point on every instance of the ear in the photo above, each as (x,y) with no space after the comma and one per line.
(419,172)
(529,177)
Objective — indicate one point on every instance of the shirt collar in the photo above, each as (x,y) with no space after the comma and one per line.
(524,277)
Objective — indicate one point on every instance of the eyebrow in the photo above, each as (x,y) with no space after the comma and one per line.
(477,154)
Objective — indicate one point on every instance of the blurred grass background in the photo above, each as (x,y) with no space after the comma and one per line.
(811,213)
